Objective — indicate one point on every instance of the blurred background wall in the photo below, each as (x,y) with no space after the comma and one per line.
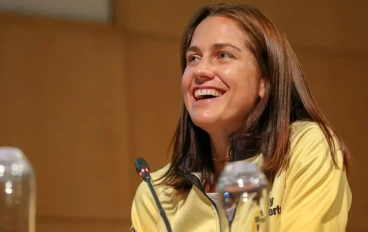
(86,87)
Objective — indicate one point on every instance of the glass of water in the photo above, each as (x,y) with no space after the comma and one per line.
(243,195)
(17,192)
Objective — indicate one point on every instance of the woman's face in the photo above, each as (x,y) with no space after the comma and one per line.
(221,81)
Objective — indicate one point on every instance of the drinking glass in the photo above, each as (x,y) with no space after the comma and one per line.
(243,194)
(17,192)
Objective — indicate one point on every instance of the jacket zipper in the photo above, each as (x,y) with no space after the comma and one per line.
(197,184)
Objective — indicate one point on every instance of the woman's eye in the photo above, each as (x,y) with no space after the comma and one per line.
(224,55)
(192,58)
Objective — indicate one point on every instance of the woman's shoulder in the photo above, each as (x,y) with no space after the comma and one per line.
(303,127)
(309,141)
(156,180)
(160,172)
(310,129)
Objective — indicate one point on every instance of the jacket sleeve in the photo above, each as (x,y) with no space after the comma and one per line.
(144,212)
(317,196)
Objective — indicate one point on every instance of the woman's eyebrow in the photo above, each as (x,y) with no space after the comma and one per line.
(217,46)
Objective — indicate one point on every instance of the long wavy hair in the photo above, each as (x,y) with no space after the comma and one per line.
(266,128)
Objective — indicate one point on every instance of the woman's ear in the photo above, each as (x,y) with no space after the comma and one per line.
(261,87)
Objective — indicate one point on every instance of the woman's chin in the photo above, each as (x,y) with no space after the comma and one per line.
(210,125)
(205,122)
(214,125)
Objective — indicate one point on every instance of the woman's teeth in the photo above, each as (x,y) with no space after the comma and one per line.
(206,93)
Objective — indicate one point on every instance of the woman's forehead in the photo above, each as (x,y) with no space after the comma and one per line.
(218,30)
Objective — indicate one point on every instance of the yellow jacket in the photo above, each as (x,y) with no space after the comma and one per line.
(311,195)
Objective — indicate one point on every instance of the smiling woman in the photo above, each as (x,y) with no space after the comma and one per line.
(218,59)
(242,78)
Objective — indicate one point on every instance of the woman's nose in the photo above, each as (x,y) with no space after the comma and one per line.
(203,71)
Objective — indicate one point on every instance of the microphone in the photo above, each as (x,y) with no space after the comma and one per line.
(142,168)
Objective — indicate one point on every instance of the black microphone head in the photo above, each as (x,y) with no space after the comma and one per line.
(142,168)
(140,164)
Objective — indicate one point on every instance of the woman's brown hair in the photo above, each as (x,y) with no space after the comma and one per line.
(266,129)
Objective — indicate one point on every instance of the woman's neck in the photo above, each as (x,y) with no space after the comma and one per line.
(219,147)
(220,157)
